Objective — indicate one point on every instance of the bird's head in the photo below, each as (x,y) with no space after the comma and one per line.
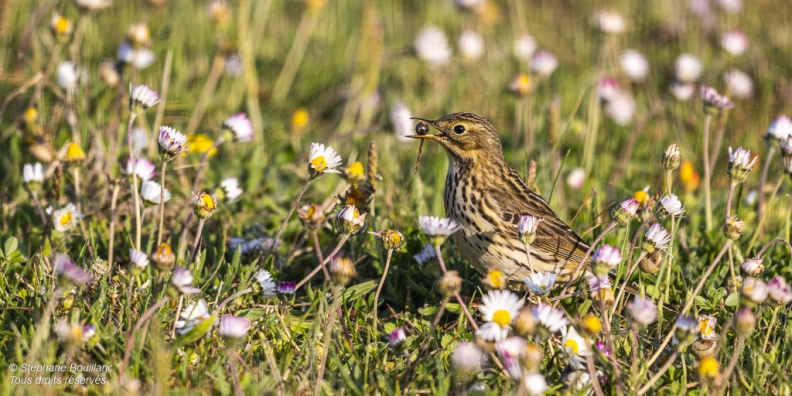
(467,136)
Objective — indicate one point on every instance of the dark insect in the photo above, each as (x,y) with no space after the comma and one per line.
(421,129)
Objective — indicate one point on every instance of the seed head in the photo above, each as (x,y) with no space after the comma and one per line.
(204,205)
(312,216)
(450,283)
(744,321)
(733,227)
(390,239)
(163,257)
(342,270)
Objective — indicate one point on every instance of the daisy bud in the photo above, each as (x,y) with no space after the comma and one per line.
(311,216)
(590,325)
(181,283)
(605,258)
(171,143)
(527,227)
(687,329)
(299,121)
(68,273)
(752,266)
(733,227)
(204,205)
(705,348)
(532,358)
(709,369)
(525,322)
(713,101)
(450,283)
(396,337)
(467,358)
(780,129)
(425,255)
(753,292)
(33,176)
(109,74)
(740,163)
(668,206)
(495,280)
(744,321)
(163,257)
(643,312)
(287,287)
(431,46)
(342,270)
(521,86)
(656,238)
(437,229)
(74,155)
(608,88)
(625,211)
(139,261)
(390,239)
(349,221)
(671,157)
(780,292)
(652,262)
(142,97)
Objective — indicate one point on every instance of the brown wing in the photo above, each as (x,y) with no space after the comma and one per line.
(552,236)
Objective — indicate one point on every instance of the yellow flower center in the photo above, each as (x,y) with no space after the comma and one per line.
(62,25)
(75,152)
(199,143)
(571,346)
(591,323)
(319,163)
(207,201)
(65,218)
(355,170)
(524,80)
(688,176)
(705,328)
(300,118)
(502,317)
(164,248)
(310,212)
(395,237)
(30,114)
(641,196)
(495,278)
(708,367)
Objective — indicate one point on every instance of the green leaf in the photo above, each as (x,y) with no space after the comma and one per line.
(733,299)
(196,332)
(11,245)
(359,290)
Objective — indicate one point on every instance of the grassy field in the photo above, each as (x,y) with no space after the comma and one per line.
(583,119)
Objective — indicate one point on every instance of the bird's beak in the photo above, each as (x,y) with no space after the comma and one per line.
(427,136)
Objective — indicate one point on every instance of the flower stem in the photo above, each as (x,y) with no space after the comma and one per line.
(113,200)
(627,279)
(128,309)
(36,201)
(162,202)
(724,379)
(764,214)
(763,181)
(197,241)
(322,264)
(328,332)
(729,198)
(288,216)
(234,372)
(232,297)
(462,304)
(659,373)
(136,198)
(379,289)
(131,335)
(707,199)
(318,249)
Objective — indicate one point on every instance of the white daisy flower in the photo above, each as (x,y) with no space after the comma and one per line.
(426,254)
(142,168)
(610,22)
(752,266)
(576,178)
(780,292)
(431,46)
(182,280)
(230,190)
(740,163)
(400,120)
(754,290)
(396,337)
(634,65)
(138,258)
(151,193)
(540,283)
(93,5)
(607,255)
(192,315)
(32,173)
(437,226)
(233,327)
(670,205)
(240,127)
(707,325)
(598,283)
(780,129)
(552,319)
(471,45)
(524,48)
(499,308)
(574,347)
(142,97)
(688,68)
(642,311)
(656,238)
(621,108)
(171,142)
(138,58)
(67,76)
(734,42)
(267,283)
(511,352)
(322,160)
(544,63)
(535,384)
(739,83)
(682,91)
(468,358)
(66,218)
(66,270)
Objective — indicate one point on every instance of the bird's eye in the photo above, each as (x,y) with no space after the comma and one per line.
(459,129)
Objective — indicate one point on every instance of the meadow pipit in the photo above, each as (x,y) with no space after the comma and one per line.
(486,196)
